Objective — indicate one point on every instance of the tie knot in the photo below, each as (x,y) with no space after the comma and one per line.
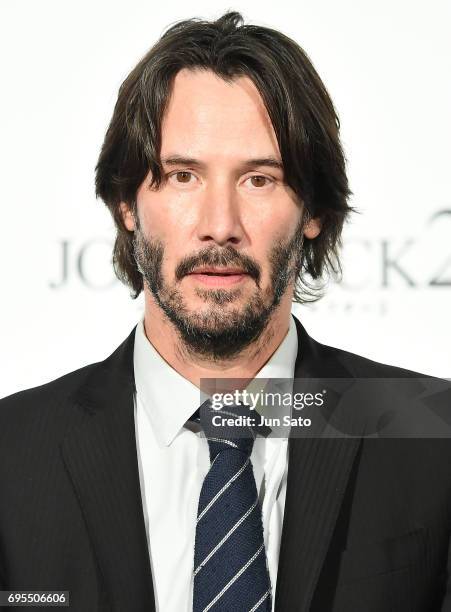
(227,428)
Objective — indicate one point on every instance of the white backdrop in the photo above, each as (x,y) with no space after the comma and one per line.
(387,67)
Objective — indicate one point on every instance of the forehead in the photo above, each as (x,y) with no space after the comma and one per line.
(206,114)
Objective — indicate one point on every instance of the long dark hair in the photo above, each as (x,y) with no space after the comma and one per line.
(301,111)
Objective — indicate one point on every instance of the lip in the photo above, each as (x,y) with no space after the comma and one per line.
(218,271)
(217,277)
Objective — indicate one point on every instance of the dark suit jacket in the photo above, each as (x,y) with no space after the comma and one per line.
(366,524)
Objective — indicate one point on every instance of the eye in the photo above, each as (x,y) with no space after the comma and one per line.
(183,174)
(259,178)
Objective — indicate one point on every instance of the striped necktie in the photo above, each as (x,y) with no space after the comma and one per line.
(230,567)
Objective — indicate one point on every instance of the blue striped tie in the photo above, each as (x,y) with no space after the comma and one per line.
(230,567)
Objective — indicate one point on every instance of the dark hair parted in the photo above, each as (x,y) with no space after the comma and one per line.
(300,109)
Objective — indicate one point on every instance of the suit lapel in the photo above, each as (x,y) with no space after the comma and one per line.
(318,471)
(101,459)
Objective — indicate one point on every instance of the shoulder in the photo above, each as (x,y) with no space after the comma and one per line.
(45,413)
(406,432)
(57,388)
(408,412)
(43,403)
(321,360)
(363,367)
(379,382)
(55,396)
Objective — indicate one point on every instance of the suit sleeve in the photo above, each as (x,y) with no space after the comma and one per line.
(2,574)
(446,604)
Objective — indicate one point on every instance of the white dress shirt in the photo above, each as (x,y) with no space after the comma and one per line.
(174,460)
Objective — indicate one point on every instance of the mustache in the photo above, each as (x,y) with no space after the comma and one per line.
(211,256)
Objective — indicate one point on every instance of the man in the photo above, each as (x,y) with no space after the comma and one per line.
(224,173)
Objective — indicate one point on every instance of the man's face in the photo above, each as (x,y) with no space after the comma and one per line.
(219,243)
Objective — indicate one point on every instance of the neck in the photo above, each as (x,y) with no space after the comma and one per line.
(163,335)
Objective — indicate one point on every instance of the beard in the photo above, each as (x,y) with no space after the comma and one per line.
(222,331)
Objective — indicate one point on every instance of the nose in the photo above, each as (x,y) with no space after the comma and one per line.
(219,214)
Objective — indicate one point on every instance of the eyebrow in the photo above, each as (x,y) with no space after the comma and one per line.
(178,160)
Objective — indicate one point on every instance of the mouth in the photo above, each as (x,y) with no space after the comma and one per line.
(219,276)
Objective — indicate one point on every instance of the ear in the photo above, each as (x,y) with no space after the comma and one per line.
(127,216)
(312,228)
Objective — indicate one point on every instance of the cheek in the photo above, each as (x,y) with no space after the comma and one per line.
(278,215)
(269,232)
(165,220)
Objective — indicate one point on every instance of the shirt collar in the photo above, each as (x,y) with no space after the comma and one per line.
(169,399)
